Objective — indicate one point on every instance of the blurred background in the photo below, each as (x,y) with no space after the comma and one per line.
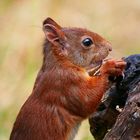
(21,40)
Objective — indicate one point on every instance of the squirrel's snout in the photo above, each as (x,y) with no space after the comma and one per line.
(107,45)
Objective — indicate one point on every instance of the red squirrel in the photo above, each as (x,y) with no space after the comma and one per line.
(64,93)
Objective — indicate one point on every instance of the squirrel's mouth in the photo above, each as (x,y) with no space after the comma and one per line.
(94,67)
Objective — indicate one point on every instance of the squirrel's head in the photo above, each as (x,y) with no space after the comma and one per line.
(82,47)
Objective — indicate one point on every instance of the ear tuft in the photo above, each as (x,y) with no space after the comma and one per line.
(51,22)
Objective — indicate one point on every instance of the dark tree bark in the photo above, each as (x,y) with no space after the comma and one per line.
(108,122)
(127,126)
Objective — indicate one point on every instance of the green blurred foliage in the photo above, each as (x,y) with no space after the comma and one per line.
(21,40)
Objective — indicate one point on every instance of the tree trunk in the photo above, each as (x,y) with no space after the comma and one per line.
(110,122)
(127,126)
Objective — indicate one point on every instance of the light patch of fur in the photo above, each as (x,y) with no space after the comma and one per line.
(74,132)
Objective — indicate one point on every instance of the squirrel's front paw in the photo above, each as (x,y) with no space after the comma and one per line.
(113,67)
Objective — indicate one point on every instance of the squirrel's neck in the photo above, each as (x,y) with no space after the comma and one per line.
(49,60)
(53,57)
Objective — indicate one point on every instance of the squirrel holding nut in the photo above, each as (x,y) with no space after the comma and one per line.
(64,93)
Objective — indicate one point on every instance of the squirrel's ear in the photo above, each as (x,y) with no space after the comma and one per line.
(52,22)
(53,31)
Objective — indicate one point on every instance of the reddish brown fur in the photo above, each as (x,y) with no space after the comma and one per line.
(64,94)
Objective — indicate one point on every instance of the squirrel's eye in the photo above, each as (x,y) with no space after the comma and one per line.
(87,42)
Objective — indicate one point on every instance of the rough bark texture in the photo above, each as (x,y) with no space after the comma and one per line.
(127,126)
(108,122)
